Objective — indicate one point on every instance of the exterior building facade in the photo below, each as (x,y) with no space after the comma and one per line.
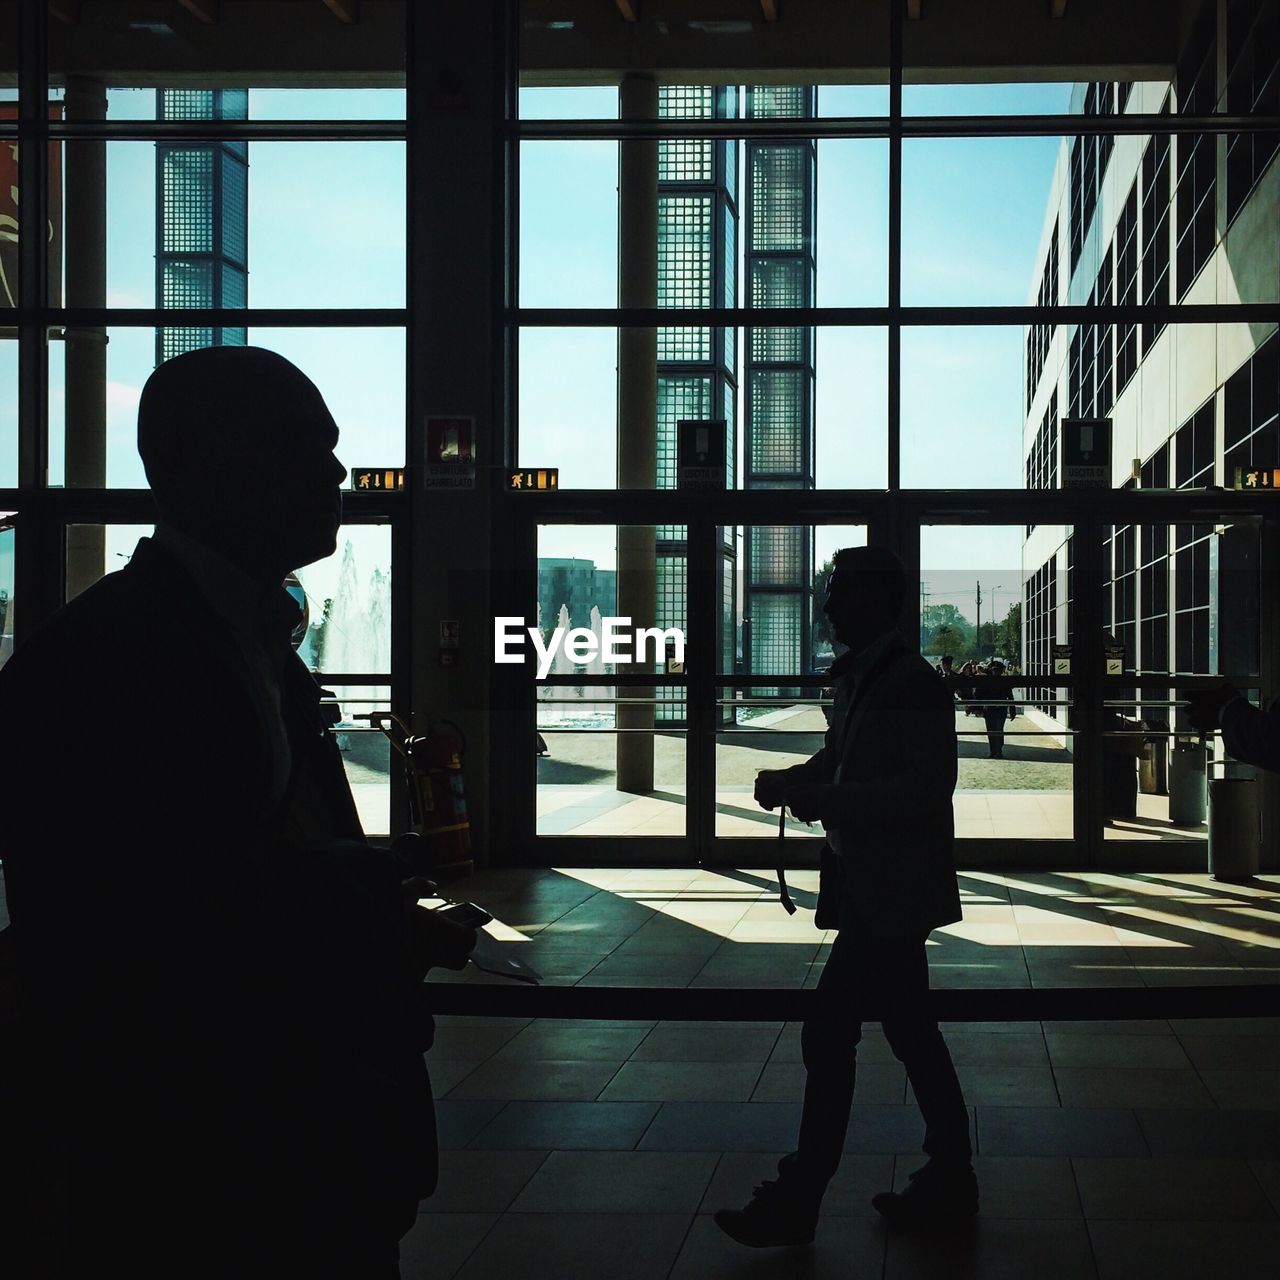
(1161,220)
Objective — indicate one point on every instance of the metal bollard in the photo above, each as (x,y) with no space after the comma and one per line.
(1187,785)
(1234,835)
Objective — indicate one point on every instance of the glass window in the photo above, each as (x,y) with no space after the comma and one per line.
(994,599)
(233,224)
(360,373)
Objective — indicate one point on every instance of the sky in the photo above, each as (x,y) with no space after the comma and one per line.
(326,228)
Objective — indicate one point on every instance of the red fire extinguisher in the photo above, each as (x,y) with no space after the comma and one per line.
(439,800)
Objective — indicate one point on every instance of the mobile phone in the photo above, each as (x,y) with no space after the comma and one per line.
(467,914)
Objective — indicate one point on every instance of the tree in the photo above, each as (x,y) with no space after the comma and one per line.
(949,640)
(820,635)
(1009,634)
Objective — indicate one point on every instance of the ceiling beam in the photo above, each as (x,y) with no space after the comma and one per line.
(630,10)
(65,10)
(1057,8)
(347,11)
(770,10)
(205,11)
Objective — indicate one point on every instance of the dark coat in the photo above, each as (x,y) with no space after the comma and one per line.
(1251,734)
(224,1022)
(893,740)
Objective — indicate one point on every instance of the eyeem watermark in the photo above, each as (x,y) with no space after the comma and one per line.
(618,641)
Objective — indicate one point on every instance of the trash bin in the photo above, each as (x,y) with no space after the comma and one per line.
(1234,833)
(1187,784)
(1153,764)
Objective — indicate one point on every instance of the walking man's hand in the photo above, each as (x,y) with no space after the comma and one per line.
(770,788)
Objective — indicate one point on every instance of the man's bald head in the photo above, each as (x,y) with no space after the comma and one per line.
(202,412)
(238,447)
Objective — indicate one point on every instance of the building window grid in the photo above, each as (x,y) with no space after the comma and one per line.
(1253,88)
(1040,621)
(1157,196)
(1193,445)
(1040,336)
(1087,168)
(1103,344)
(1127,289)
(1251,412)
(1197,155)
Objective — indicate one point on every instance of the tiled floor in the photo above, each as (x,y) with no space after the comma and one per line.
(1106,1151)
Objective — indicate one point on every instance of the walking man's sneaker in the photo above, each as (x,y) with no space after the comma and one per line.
(781,1211)
(935,1196)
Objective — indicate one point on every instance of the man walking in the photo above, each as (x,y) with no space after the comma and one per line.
(881,786)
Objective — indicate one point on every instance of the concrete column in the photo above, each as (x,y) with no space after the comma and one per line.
(85,233)
(637,409)
(456,258)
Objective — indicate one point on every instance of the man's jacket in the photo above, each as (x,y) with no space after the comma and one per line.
(216,1005)
(890,753)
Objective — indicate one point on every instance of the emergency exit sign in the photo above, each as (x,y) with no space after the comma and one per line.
(1255,479)
(1086,453)
(377,479)
(534,480)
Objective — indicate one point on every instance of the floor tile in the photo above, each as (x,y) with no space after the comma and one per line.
(1184,1250)
(457,1122)
(568,1126)
(707,1044)
(618,1182)
(884,1128)
(723,1126)
(1130,1087)
(876,1083)
(447,1072)
(525,1080)
(645,1081)
(1170,1189)
(1232,1053)
(646,965)
(440,1243)
(995,1249)
(1225,1026)
(986,1049)
(481,1181)
(1267,1173)
(471,1043)
(1117,1027)
(1245,1134)
(579,1246)
(564,1042)
(1054,1131)
(1247,1089)
(990,1086)
(1078,1049)
(844,1246)
(1018,1186)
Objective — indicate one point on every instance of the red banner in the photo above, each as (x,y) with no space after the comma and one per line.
(9,213)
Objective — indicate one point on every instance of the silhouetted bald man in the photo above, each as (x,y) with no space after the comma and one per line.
(224,978)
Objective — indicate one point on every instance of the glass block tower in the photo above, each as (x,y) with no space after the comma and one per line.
(697,367)
(202,212)
(778,423)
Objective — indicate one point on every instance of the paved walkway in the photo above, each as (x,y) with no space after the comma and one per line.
(1105,1151)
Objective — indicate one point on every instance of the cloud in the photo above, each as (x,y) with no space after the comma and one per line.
(123,396)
